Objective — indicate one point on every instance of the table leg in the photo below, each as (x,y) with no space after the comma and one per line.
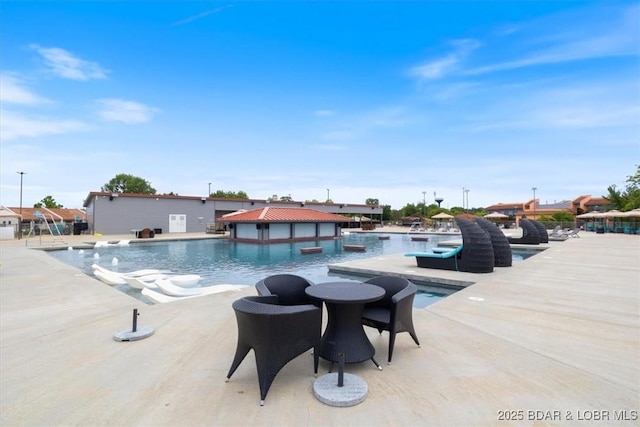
(345,334)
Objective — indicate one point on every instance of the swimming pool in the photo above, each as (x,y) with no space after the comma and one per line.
(219,261)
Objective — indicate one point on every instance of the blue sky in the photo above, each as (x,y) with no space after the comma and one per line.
(366,99)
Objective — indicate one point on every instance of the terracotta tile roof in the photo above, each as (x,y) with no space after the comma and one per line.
(68,215)
(271,214)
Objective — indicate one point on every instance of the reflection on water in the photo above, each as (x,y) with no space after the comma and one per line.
(219,261)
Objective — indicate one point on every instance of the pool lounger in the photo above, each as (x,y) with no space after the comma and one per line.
(440,260)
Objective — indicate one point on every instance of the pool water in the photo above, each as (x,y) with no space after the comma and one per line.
(219,261)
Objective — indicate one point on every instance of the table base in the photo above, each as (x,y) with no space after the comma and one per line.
(353,391)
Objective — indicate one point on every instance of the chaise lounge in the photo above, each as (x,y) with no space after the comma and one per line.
(542,231)
(501,248)
(475,255)
(530,235)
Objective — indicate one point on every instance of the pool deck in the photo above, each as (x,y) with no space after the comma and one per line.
(554,340)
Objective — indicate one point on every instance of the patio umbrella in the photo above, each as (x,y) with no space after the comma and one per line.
(496,215)
(442,215)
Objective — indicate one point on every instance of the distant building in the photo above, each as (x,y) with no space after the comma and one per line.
(277,225)
(59,220)
(533,209)
(9,223)
(123,213)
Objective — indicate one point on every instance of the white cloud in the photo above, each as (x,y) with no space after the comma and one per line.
(330,147)
(201,15)
(64,64)
(13,91)
(14,125)
(359,125)
(120,110)
(613,34)
(447,64)
(324,113)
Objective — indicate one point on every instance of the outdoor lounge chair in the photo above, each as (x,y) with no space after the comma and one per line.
(542,231)
(276,333)
(474,256)
(502,256)
(289,289)
(394,312)
(530,235)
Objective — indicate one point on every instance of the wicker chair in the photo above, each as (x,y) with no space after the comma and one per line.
(501,248)
(394,312)
(475,256)
(542,231)
(289,289)
(276,333)
(530,235)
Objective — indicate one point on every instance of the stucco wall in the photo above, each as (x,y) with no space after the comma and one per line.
(279,231)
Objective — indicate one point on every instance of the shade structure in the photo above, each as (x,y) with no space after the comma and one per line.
(442,215)
(496,215)
(631,214)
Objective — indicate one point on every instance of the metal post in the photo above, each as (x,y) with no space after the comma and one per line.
(463,197)
(20,224)
(209,193)
(328,198)
(534,202)
(424,202)
(467,192)
(340,369)
(134,328)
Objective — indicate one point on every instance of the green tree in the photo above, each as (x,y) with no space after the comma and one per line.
(372,201)
(49,203)
(386,213)
(230,194)
(562,216)
(125,183)
(629,198)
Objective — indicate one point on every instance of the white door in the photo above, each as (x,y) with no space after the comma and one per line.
(177,223)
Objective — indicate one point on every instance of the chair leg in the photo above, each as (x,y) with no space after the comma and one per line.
(241,353)
(415,337)
(392,340)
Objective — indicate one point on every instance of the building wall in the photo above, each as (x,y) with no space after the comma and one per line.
(246,231)
(121,214)
(327,229)
(280,231)
(304,230)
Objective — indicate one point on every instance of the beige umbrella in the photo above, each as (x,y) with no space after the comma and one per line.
(631,214)
(442,215)
(496,215)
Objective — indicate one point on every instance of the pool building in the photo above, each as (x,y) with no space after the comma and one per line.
(278,225)
(122,213)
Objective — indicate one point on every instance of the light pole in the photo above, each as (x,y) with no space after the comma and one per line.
(328,198)
(20,225)
(209,193)
(534,202)
(463,197)
(466,190)
(424,202)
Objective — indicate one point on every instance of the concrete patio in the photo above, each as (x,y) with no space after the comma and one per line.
(553,340)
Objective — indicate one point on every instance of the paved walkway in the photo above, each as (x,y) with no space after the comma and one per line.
(554,340)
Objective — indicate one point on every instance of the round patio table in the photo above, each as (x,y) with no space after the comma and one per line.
(344,333)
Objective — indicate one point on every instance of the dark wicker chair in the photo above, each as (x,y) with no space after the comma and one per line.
(289,289)
(542,231)
(475,256)
(502,256)
(394,312)
(530,235)
(477,250)
(276,333)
